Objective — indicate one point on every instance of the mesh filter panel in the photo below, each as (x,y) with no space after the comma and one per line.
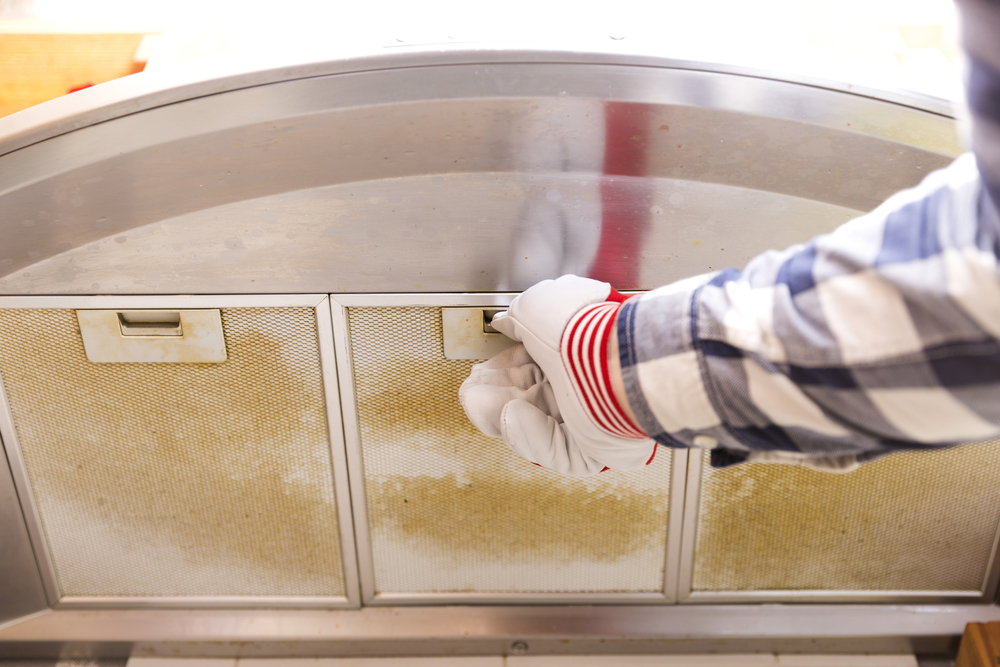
(450,510)
(915,521)
(179,479)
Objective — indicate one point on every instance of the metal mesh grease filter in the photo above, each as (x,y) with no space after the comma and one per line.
(179,479)
(921,521)
(451,510)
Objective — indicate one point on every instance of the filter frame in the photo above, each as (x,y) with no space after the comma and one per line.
(689,541)
(321,306)
(339,305)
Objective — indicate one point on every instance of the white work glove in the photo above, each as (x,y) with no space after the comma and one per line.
(564,325)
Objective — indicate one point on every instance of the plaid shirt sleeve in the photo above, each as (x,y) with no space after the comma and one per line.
(881,336)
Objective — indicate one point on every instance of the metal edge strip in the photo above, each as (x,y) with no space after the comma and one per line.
(338,456)
(717,623)
(23,619)
(692,497)
(853,597)
(678,485)
(179,301)
(76,602)
(439,299)
(22,483)
(539,599)
(352,448)
(147,91)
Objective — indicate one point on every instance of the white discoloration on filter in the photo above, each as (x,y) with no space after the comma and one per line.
(179,479)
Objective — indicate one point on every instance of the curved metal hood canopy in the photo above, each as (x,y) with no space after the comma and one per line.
(430,170)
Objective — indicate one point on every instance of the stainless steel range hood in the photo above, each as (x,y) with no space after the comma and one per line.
(325,216)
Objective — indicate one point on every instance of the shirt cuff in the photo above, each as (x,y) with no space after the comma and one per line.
(662,373)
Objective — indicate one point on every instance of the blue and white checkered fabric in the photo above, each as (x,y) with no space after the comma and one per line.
(883,335)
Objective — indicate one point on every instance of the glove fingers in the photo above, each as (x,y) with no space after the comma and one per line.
(544,398)
(505,325)
(483,405)
(512,357)
(511,368)
(541,439)
(509,376)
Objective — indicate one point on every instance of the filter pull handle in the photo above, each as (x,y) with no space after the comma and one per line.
(150,323)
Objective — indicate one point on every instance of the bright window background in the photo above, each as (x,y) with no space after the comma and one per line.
(896,43)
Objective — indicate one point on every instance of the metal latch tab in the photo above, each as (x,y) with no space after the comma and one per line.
(468,335)
(153,336)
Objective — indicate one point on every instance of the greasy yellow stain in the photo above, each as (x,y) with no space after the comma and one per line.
(437,485)
(913,521)
(533,519)
(179,479)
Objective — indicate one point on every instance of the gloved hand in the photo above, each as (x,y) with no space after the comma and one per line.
(552,403)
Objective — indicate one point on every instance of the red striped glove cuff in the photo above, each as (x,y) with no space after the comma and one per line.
(584,350)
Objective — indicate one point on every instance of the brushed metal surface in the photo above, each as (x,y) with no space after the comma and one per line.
(324,631)
(209,77)
(446,178)
(350,651)
(21,591)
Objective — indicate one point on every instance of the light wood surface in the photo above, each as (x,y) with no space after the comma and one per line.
(40,66)
(980,646)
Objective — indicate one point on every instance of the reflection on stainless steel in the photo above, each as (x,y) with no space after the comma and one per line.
(626,195)
(557,228)
(416,179)
(599,227)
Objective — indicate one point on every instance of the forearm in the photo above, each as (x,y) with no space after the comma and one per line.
(880,336)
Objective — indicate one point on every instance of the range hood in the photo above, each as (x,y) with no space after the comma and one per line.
(301,479)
